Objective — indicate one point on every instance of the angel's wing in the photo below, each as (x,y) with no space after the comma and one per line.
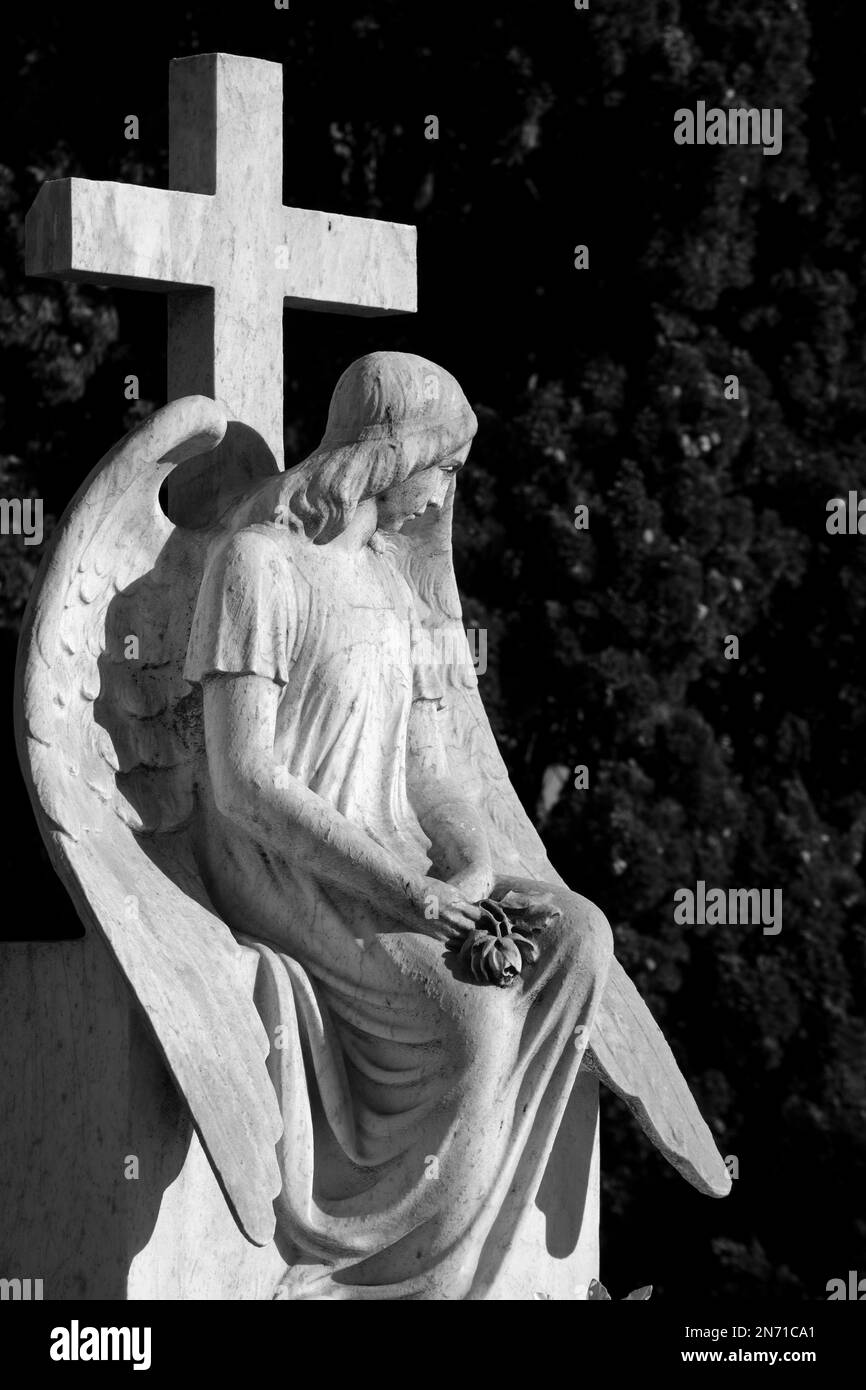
(108,734)
(628,1049)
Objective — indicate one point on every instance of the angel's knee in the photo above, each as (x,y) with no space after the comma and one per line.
(585,932)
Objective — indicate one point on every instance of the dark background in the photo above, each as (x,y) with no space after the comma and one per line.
(604,387)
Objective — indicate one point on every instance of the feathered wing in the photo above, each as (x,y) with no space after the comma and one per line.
(628,1050)
(108,735)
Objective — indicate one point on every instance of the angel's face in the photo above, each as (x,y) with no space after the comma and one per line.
(426,488)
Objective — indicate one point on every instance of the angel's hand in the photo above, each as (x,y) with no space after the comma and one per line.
(530,911)
(441,910)
(474,882)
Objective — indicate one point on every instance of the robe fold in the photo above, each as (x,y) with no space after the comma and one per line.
(420,1108)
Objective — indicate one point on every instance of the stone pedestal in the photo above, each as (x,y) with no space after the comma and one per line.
(83,1094)
(85,1099)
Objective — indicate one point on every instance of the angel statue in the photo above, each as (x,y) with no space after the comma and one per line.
(242,736)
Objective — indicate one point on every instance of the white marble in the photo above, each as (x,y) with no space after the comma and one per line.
(220,243)
(278,815)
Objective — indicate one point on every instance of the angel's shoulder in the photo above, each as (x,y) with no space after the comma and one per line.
(256,549)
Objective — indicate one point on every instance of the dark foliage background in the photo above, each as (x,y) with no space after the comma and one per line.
(602,387)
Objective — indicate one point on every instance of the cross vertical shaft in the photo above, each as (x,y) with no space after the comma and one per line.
(225,140)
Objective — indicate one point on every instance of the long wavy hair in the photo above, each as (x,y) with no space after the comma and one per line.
(392,414)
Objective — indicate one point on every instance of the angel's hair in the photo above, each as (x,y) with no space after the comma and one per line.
(392,414)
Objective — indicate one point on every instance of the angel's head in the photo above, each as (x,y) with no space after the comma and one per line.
(399,428)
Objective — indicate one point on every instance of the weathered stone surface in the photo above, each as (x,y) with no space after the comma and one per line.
(221,244)
(315,794)
(90,1091)
(278,810)
(87,1095)
(102,765)
(108,746)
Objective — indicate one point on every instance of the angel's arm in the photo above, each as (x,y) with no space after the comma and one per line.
(260,796)
(461,852)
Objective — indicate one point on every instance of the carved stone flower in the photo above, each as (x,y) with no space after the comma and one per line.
(494,951)
(492,960)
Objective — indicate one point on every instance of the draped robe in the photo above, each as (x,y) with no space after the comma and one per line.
(419,1107)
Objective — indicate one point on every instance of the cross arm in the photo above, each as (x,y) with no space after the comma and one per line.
(348,265)
(116,234)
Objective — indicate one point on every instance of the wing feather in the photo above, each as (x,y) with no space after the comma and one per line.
(108,745)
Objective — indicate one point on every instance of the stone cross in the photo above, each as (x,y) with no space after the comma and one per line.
(220,243)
